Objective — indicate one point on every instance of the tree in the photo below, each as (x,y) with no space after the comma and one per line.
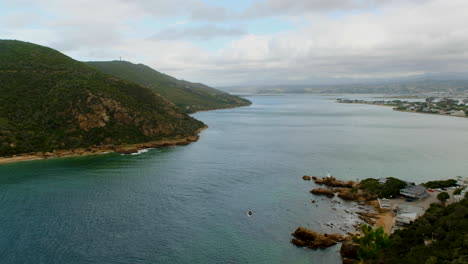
(443,197)
(430,99)
(372,244)
(448,101)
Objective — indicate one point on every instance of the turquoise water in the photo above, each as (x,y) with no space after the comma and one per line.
(188,204)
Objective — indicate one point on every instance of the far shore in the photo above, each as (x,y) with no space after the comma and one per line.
(407,111)
(100,150)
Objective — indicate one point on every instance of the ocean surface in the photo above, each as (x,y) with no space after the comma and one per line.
(188,204)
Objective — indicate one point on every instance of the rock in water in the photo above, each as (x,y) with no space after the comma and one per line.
(333,182)
(321,191)
(348,252)
(311,239)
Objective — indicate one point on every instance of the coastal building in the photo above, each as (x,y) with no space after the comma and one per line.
(463,181)
(414,191)
(384,203)
(406,214)
(457,113)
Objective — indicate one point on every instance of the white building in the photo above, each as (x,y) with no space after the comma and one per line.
(406,214)
(457,113)
(463,181)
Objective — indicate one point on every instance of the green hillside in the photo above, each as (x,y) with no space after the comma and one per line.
(440,236)
(189,97)
(49,101)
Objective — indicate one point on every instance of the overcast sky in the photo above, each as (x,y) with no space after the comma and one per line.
(221,42)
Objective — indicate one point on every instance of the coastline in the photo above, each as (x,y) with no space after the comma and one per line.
(407,111)
(223,108)
(100,150)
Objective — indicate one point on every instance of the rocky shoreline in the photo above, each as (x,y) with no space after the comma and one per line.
(367,212)
(99,150)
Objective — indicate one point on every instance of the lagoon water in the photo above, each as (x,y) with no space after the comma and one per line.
(188,204)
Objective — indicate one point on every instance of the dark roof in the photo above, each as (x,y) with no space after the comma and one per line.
(414,189)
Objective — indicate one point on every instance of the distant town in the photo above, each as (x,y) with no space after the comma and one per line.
(444,106)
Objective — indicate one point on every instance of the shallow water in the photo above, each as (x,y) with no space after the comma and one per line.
(188,204)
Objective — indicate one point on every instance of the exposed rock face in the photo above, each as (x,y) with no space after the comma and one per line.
(165,143)
(354,194)
(306,178)
(320,191)
(98,116)
(307,238)
(336,237)
(333,182)
(348,251)
(367,217)
(350,261)
(102,111)
(127,151)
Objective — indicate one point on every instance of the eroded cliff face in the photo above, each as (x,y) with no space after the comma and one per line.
(95,112)
(100,111)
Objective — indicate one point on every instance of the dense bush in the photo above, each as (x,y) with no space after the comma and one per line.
(390,188)
(458,191)
(440,184)
(372,244)
(440,236)
(443,196)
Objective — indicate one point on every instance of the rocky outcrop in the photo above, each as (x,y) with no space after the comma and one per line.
(354,194)
(307,238)
(349,251)
(127,151)
(320,191)
(333,182)
(306,178)
(157,144)
(367,217)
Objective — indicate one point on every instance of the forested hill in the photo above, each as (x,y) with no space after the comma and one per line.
(49,101)
(189,97)
(440,236)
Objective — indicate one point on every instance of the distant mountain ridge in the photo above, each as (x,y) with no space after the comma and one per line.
(187,96)
(443,83)
(49,101)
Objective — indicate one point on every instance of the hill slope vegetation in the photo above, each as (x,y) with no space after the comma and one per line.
(440,236)
(49,101)
(189,97)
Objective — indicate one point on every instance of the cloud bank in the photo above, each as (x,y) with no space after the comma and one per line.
(326,39)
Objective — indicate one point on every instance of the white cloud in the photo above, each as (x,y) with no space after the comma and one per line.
(205,32)
(398,38)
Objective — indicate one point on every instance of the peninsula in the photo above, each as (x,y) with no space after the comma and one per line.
(54,106)
(187,96)
(444,106)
